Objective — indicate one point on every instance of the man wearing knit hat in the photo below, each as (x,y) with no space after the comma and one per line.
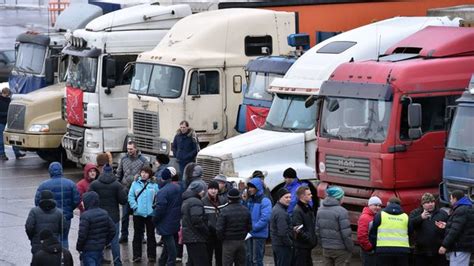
(292,183)
(427,236)
(280,229)
(334,229)
(363,226)
(224,186)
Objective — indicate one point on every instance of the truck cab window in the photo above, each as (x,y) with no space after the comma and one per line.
(207,84)
(121,61)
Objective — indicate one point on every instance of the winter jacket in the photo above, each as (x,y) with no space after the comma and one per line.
(234,222)
(111,194)
(65,191)
(393,209)
(4,103)
(363,226)
(167,211)
(333,226)
(280,226)
(194,221)
(84,183)
(143,205)
(159,170)
(303,214)
(292,187)
(459,234)
(96,228)
(185,146)
(46,216)
(426,235)
(129,167)
(212,210)
(260,208)
(52,254)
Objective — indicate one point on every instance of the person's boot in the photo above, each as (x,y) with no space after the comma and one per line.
(3,157)
(123,240)
(19,155)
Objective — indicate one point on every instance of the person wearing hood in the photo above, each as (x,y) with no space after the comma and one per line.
(303,227)
(333,229)
(192,172)
(266,190)
(111,195)
(51,253)
(96,230)
(458,241)
(45,216)
(167,214)
(426,235)
(194,223)
(91,172)
(390,235)
(185,145)
(66,195)
(260,207)
(363,227)
(280,229)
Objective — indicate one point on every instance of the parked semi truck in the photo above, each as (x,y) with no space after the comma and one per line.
(288,137)
(382,127)
(97,87)
(197,72)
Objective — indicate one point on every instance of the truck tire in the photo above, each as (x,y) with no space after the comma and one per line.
(53,155)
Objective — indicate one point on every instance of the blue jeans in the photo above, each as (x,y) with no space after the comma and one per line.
(255,249)
(65,236)
(168,254)
(115,246)
(91,258)
(2,145)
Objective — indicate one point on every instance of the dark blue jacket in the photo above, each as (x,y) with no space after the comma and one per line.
(65,191)
(260,208)
(185,146)
(167,210)
(96,228)
(459,234)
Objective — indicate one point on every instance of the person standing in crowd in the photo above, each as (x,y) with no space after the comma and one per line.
(292,183)
(166,217)
(4,104)
(280,229)
(213,205)
(91,172)
(389,235)
(161,162)
(367,252)
(45,216)
(458,241)
(194,223)
(111,195)
(334,229)
(102,159)
(185,145)
(130,166)
(96,230)
(224,186)
(51,253)
(303,226)
(192,172)
(427,236)
(260,208)
(141,197)
(266,190)
(65,193)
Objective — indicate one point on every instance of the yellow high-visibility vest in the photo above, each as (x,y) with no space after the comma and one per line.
(393,231)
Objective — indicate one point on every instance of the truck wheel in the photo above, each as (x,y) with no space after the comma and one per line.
(53,155)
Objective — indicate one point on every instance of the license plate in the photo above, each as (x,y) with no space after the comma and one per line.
(14,137)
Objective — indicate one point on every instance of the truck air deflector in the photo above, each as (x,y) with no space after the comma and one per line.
(94,52)
(277,66)
(356,90)
(39,39)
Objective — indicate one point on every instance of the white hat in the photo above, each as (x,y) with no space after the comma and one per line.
(172,170)
(374,201)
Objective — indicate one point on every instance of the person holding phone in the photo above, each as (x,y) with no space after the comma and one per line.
(303,226)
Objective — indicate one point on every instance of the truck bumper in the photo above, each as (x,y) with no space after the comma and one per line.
(32,141)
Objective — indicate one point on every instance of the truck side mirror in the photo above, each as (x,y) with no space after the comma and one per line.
(49,70)
(109,73)
(414,121)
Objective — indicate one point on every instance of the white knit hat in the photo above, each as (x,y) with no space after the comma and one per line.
(374,201)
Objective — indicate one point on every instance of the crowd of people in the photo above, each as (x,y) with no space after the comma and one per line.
(221,225)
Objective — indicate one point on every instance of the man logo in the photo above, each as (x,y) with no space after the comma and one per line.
(345,163)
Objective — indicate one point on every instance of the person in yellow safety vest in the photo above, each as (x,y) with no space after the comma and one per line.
(389,235)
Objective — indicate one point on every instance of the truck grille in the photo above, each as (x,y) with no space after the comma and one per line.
(145,123)
(348,167)
(146,144)
(73,140)
(210,167)
(16,117)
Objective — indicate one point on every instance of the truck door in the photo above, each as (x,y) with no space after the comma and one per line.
(204,102)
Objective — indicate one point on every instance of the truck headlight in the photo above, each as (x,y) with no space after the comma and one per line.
(164,146)
(92,144)
(227,168)
(39,128)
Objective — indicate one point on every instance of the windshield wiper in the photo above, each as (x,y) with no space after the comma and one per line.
(138,96)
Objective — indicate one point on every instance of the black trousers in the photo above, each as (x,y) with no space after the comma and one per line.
(233,252)
(392,260)
(214,246)
(436,260)
(303,257)
(139,225)
(282,255)
(197,254)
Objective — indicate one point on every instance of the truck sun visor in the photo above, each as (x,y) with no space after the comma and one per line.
(356,90)
(71,50)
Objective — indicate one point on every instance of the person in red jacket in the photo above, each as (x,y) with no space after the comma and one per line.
(91,172)
(363,227)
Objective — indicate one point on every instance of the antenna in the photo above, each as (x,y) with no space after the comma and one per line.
(378,41)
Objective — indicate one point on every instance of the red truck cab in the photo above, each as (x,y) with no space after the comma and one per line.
(382,129)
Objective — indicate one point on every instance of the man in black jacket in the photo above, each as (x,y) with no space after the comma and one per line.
(111,195)
(304,224)
(427,236)
(4,103)
(281,230)
(51,252)
(233,224)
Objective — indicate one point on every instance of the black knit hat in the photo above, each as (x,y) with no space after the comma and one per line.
(213,184)
(282,192)
(289,173)
(233,194)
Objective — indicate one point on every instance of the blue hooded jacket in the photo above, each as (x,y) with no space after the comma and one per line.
(293,187)
(260,208)
(65,191)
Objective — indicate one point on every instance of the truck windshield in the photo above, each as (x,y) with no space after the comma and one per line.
(258,84)
(461,138)
(355,119)
(30,58)
(82,73)
(288,113)
(157,80)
